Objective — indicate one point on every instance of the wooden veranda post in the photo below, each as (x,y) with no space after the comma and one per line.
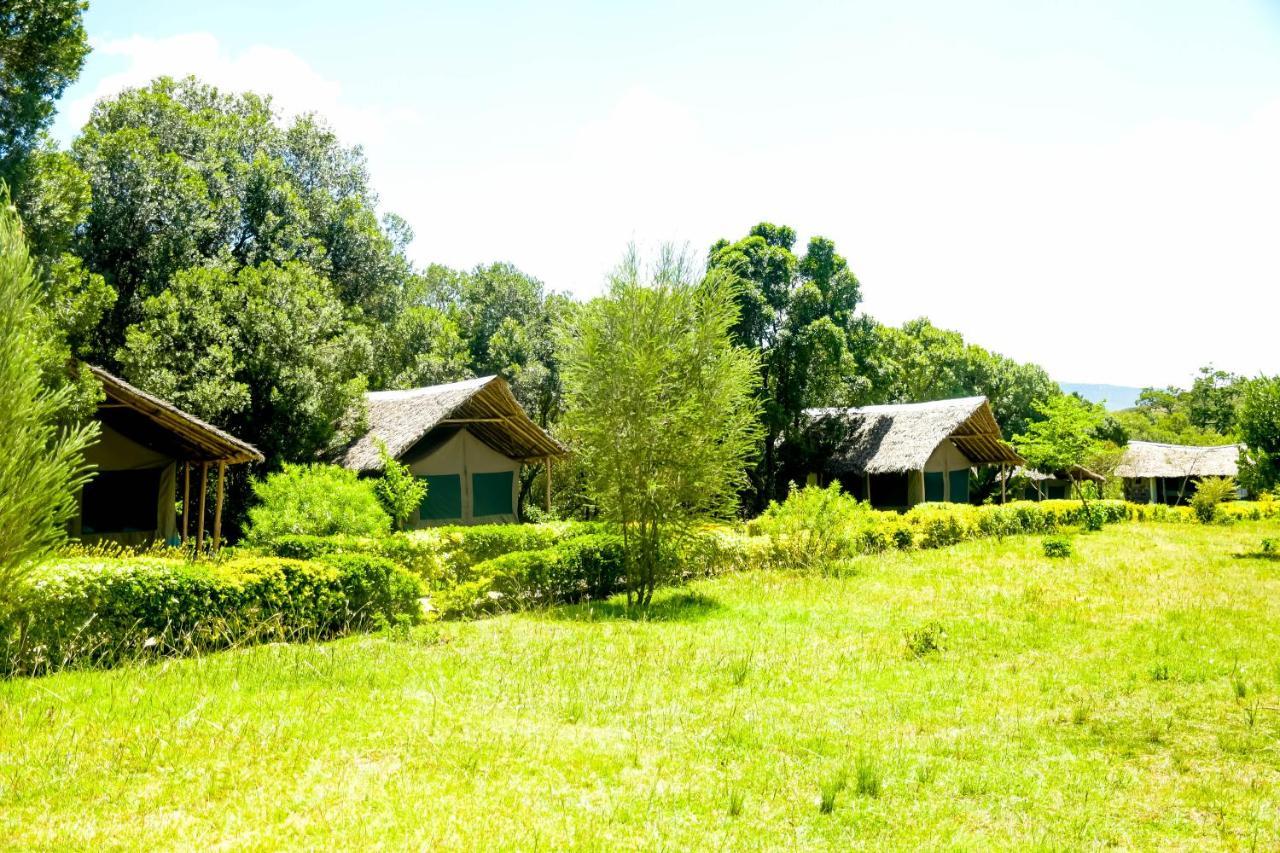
(204,483)
(217,508)
(548,501)
(186,500)
(1004,481)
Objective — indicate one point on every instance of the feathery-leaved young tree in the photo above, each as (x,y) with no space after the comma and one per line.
(41,459)
(660,407)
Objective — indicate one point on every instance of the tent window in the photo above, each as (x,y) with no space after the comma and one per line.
(121,501)
(933,486)
(960,486)
(1056,491)
(444,498)
(491,493)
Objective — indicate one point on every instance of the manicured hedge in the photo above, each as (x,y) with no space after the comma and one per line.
(103,612)
(590,566)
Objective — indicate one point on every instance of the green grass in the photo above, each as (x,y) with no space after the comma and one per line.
(971,697)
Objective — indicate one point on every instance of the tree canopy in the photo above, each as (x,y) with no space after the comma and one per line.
(42,49)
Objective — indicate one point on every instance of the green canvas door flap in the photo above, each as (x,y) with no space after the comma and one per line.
(1057,492)
(444,498)
(933,486)
(960,486)
(491,493)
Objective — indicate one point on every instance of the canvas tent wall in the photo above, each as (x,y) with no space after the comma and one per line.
(145,446)
(470,440)
(1166,473)
(900,455)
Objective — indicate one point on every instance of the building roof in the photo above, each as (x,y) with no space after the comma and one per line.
(902,437)
(1149,459)
(485,406)
(162,426)
(1077,472)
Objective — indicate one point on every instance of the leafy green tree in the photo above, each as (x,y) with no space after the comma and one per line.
(41,462)
(800,315)
(661,407)
(920,362)
(182,176)
(398,491)
(264,352)
(1212,399)
(42,49)
(1066,435)
(1258,420)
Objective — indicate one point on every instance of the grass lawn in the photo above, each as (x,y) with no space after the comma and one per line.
(1129,695)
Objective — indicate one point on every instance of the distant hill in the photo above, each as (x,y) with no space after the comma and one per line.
(1115,396)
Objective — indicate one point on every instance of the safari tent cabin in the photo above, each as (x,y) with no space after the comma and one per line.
(468,440)
(144,459)
(1028,484)
(897,456)
(1166,473)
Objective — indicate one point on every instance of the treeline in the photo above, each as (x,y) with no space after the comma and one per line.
(237,265)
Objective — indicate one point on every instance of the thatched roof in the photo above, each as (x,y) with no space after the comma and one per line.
(1149,459)
(1077,472)
(485,406)
(164,427)
(895,438)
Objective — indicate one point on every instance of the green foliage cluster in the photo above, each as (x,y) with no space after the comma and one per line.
(42,49)
(315,500)
(585,567)
(104,612)
(1259,428)
(819,527)
(397,490)
(41,462)
(1057,547)
(660,408)
(1210,493)
(1204,414)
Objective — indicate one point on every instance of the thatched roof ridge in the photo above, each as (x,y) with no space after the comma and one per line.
(901,437)
(485,406)
(188,437)
(1151,459)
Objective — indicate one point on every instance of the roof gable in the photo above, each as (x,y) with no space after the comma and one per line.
(485,406)
(1151,459)
(901,437)
(160,425)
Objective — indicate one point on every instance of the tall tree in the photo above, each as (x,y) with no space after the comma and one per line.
(184,176)
(1259,423)
(660,407)
(42,49)
(799,314)
(41,462)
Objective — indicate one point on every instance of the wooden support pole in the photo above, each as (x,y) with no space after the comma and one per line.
(204,483)
(548,506)
(186,500)
(1004,480)
(217,508)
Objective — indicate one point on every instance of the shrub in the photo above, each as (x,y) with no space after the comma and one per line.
(1057,547)
(814,526)
(590,566)
(315,500)
(397,490)
(1271,547)
(98,612)
(925,640)
(1210,492)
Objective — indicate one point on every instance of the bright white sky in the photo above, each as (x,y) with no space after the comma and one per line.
(1093,186)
